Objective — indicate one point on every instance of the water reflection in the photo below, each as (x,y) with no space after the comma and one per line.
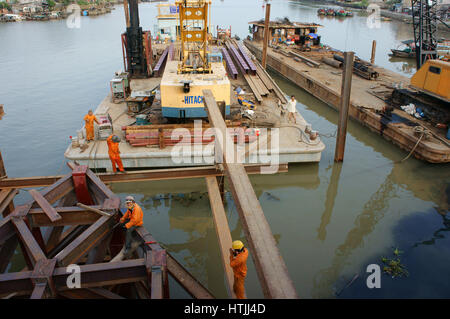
(329,202)
(440,233)
(373,211)
(403,65)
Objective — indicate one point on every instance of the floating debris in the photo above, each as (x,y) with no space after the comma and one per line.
(272,197)
(356,276)
(394,267)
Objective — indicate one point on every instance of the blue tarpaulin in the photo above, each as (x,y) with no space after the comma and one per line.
(313,35)
(174,9)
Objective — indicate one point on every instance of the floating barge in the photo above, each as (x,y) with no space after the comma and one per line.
(309,67)
(254,104)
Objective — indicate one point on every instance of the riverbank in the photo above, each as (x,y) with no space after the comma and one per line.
(22,12)
(406,18)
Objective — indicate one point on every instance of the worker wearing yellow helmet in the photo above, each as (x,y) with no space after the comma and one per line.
(238,261)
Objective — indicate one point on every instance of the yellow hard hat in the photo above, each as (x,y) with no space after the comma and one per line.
(237,245)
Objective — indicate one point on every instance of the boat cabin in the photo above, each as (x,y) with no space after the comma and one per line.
(286,32)
(168,24)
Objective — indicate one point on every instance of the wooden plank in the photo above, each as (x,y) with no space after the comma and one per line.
(192,286)
(271,269)
(84,243)
(222,230)
(26,237)
(46,207)
(95,210)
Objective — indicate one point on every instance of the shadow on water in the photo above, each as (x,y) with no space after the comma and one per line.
(425,241)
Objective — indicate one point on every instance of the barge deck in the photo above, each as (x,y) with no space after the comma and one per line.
(368,99)
(289,144)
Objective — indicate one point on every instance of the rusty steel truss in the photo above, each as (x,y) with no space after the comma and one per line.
(84,235)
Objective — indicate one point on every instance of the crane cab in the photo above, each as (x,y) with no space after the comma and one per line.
(433,78)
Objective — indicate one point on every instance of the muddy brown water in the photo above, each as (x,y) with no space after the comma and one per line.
(329,220)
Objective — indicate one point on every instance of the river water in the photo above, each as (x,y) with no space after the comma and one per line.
(329,220)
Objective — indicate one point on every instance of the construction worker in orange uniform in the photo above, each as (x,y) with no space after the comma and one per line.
(89,124)
(238,261)
(132,219)
(114,153)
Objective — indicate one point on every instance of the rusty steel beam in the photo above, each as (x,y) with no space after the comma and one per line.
(45,205)
(6,230)
(222,230)
(104,293)
(65,239)
(6,198)
(53,238)
(42,279)
(97,255)
(192,286)
(85,242)
(139,176)
(61,188)
(96,183)
(271,269)
(7,249)
(69,216)
(94,275)
(28,240)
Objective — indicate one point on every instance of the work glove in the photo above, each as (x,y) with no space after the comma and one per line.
(123,225)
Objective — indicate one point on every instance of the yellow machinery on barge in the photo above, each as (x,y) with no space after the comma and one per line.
(199,69)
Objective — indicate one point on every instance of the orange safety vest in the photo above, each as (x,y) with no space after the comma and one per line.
(89,119)
(239,264)
(136,217)
(113,148)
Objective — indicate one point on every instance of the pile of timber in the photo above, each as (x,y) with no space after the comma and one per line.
(261,84)
(163,135)
(361,68)
(86,235)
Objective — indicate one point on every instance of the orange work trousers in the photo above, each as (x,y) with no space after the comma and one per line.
(238,287)
(116,161)
(90,133)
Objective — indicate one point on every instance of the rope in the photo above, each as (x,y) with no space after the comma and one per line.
(423,132)
(303,137)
